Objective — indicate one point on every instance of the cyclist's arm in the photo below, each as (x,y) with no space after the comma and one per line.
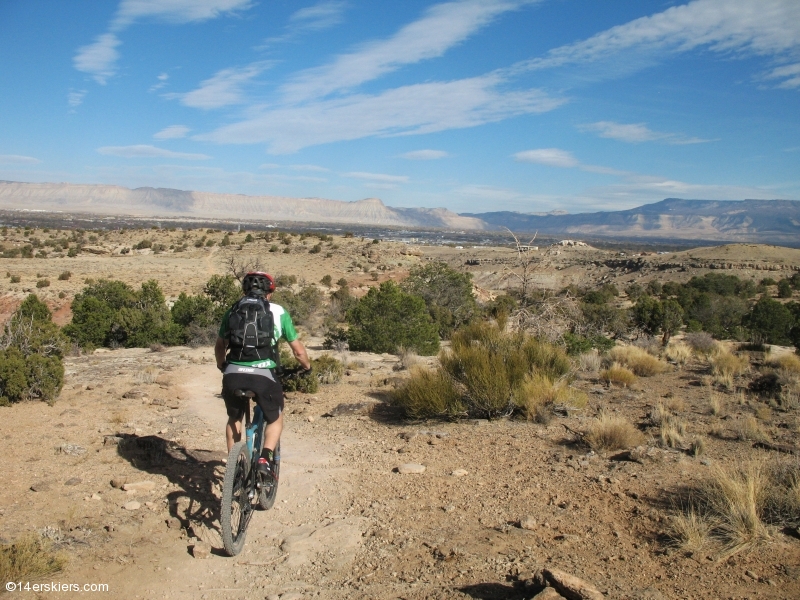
(300,353)
(219,352)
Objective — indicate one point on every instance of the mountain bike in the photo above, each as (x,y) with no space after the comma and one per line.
(245,488)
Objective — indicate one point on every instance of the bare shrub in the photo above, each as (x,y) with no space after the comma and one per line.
(637,360)
(610,432)
(590,362)
(616,374)
(678,352)
(548,319)
(701,342)
(29,557)
(649,344)
(408,358)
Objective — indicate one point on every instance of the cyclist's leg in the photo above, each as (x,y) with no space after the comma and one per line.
(272,433)
(233,430)
(235,408)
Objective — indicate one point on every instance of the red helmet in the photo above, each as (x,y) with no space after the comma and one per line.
(258,280)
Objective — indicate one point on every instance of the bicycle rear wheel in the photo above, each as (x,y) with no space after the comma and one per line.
(266,498)
(235,509)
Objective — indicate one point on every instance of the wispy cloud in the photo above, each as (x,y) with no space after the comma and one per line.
(789,73)
(319,16)
(555,157)
(99,58)
(744,27)
(441,27)
(162,81)
(413,109)
(17,159)
(75,97)
(552,157)
(172,132)
(377,177)
(315,168)
(223,89)
(425,155)
(145,151)
(634,133)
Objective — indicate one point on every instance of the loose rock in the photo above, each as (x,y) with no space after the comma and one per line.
(201,550)
(73,481)
(139,486)
(459,473)
(132,505)
(548,593)
(572,587)
(70,449)
(527,522)
(411,469)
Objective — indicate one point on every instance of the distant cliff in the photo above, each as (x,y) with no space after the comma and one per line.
(116,200)
(764,221)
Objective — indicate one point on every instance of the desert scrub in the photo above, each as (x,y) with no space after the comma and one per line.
(429,393)
(489,371)
(610,432)
(589,362)
(701,342)
(736,507)
(327,369)
(540,395)
(29,557)
(637,360)
(749,429)
(725,367)
(673,431)
(716,403)
(616,374)
(678,352)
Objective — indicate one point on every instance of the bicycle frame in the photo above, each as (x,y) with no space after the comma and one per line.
(254,431)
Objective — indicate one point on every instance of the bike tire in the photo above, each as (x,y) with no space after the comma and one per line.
(266,498)
(233,512)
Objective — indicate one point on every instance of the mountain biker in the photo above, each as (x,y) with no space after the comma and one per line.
(258,375)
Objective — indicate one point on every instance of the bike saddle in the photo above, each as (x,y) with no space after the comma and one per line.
(244,394)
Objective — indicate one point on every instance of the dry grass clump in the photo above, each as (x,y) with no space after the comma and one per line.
(697,446)
(327,369)
(749,429)
(616,374)
(724,364)
(787,362)
(736,506)
(610,432)
(678,352)
(676,404)
(29,557)
(659,414)
(590,362)
(147,375)
(539,395)
(637,360)
(673,432)
(716,403)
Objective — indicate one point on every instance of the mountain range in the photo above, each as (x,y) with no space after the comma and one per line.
(766,221)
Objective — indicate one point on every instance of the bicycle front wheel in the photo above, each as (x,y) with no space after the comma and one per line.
(269,489)
(234,513)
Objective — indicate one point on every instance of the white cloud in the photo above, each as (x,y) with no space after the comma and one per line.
(316,168)
(412,109)
(760,27)
(16,159)
(162,81)
(172,132)
(552,157)
(223,89)
(637,132)
(320,16)
(98,58)
(791,74)
(377,177)
(145,151)
(75,97)
(441,27)
(425,155)
(175,11)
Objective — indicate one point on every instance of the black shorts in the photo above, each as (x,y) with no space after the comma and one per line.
(268,391)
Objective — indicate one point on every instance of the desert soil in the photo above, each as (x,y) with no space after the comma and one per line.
(496,501)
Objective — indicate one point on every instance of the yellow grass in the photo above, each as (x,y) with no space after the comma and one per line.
(610,432)
(637,360)
(678,352)
(29,557)
(618,375)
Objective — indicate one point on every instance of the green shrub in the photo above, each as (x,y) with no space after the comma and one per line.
(784,289)
(326,281)
(428,394)
(301,305)
(16,279)
(31,360)
(387,318)
(248,238)
(145,243)
(43,283)
(327,369)
(447,295)
(770,322)
(316,249)
(64,276)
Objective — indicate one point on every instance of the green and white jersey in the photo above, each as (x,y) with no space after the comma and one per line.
(284,328)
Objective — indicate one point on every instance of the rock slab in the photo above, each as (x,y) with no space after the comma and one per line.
(571,587)
(411,469)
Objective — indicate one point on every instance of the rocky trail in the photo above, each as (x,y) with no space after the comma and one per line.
(124,472)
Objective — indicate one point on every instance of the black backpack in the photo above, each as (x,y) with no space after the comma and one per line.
(251,330)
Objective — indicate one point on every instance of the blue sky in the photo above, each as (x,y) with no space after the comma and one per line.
(526,105)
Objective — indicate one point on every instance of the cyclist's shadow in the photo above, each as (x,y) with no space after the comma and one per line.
(196,472)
